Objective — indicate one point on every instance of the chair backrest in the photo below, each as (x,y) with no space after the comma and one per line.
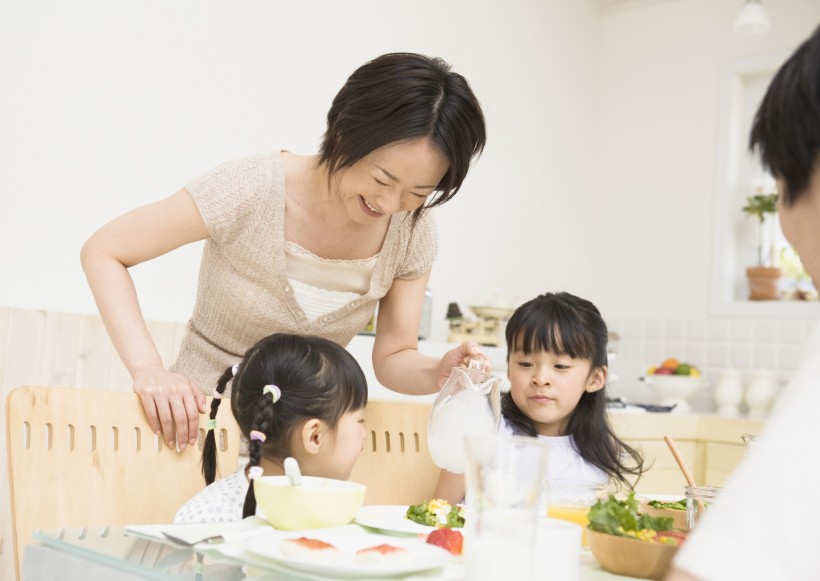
(395,463)
(86,457)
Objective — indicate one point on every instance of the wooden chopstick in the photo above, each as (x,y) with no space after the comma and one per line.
(690,480)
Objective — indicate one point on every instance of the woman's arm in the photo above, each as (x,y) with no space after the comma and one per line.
(396,359)
(135,237)
(450,487)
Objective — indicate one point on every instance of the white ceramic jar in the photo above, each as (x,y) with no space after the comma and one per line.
(760,393)
(729,393)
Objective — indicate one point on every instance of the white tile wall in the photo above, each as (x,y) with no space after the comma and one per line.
(712,344)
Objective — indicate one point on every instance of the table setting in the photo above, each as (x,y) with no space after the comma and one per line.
(310,528)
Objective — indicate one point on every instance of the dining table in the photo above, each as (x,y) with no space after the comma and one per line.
(129,553)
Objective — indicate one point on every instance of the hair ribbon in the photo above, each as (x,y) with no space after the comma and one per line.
(274,391)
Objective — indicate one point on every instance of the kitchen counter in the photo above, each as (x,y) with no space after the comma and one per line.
(711,446)
(361,347)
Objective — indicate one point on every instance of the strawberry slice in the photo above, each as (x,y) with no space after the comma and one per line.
(448,539)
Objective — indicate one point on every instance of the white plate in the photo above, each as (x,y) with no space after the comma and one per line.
(390,518)
(419,557)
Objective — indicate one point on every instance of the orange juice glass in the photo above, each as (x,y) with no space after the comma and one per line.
(570,500)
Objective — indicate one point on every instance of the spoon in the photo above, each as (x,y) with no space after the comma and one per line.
(690,480)
(292,471)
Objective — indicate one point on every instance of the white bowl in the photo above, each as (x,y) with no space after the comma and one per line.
(317,503)
(675,389)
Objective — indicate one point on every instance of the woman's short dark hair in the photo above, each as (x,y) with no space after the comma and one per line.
(400,97)
(786,128)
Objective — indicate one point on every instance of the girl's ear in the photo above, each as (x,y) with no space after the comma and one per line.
(313,435)
(597,380)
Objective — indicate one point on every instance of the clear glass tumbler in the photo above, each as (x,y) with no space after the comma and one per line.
(504,476)
(570,500)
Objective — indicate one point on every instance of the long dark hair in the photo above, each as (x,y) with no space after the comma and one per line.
(317,379)
(564,324)
(400,97)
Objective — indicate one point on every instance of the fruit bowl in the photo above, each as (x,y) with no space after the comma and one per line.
(675,389)
(631,557)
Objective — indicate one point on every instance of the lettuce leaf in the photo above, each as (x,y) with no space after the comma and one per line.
(617,517)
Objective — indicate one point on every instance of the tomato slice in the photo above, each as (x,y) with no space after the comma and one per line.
(448,539)
(677,536)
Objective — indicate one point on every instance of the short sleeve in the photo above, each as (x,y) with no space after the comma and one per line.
(422,248)
(221,501)
(228,194)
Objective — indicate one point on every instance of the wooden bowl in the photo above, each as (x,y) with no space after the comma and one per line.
(631,557)
(678,516)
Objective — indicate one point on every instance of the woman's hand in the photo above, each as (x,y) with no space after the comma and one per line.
(460,357)
(170,400)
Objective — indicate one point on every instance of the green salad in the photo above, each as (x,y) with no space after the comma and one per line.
(674,505)
(437,513)
(621,518)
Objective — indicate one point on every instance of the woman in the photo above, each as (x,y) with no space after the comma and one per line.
(303,243)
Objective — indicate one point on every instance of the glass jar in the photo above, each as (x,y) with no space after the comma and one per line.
(750,440)
(698,499)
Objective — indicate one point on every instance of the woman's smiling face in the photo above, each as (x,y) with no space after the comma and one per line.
(547,387)
(396,178)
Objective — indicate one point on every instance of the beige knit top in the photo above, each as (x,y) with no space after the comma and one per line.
(243,293)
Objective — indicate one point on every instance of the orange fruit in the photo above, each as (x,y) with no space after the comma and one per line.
(670,363)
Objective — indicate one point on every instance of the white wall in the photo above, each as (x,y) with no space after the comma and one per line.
(657,137)
(109,105)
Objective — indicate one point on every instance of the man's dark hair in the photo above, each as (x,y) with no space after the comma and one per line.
(786,128)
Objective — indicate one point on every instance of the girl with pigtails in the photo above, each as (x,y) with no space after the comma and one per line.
(291,395)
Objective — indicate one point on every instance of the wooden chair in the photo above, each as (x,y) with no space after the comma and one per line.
(86,457)
(395,463)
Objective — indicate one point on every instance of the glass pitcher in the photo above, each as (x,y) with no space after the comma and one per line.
(469,404)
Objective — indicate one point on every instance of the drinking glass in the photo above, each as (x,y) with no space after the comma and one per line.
(503,477)
(570,500)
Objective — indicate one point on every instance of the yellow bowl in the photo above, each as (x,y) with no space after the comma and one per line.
(317,503)
(631,557)
(678,516)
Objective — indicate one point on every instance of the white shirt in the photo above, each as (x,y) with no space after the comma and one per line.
(564,462)
(220,501)
(764,523)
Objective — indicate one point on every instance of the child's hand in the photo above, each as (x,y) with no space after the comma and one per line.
(170,400)
(460,357)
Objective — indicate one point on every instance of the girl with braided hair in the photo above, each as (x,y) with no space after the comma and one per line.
(292,395)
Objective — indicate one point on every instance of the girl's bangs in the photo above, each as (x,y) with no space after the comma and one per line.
(565,336)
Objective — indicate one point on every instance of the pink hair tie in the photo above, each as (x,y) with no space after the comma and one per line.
(217,395)
(258,436)
(254,472)
(274,391)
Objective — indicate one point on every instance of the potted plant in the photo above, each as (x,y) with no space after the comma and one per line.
(764,277)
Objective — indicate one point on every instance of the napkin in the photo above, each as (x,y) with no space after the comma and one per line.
(192,534)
